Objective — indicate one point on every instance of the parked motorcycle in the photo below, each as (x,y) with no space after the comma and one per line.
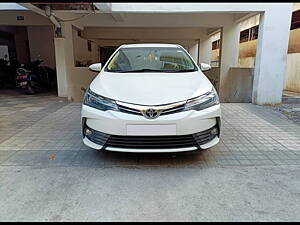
(33,78)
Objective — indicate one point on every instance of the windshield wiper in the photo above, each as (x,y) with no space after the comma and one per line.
(152,70)
(179,71)
(141,70)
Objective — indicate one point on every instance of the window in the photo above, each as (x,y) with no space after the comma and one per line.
(216,44)
(244,35)
(249,34)
(253,33)
(295,24)
(151,59)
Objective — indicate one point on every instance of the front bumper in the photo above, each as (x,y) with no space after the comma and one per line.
(109,129)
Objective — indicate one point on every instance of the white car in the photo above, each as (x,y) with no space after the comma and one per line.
(150,98)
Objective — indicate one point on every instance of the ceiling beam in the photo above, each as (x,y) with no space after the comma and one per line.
(34,9)
(41,12)
(107,8)
(117,42)
(213,31)
(118,17)
(142,33)
(245,17)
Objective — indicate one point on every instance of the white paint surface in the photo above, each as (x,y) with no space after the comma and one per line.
(205,50)
(229,55)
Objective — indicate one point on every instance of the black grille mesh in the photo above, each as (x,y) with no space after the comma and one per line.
(152,142)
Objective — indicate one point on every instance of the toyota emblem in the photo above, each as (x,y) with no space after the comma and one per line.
(151,113)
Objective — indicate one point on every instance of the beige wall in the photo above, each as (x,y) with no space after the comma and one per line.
(247,49)
(81,52)
(292,79)
(239,85)
(247,52)
(73,80)
(215,55)
(296,6)
(41,43)
(79,80)
(294,41)
(247,62)
(30,18)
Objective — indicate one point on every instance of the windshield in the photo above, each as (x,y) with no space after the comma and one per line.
(151,59)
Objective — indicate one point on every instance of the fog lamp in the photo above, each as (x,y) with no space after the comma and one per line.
(87,132)
(214,131)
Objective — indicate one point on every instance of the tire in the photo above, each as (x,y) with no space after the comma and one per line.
(29,90)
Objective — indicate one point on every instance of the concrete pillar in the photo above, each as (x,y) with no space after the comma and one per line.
(193,50)
(64,57)
(205,50)
(271,55)
(229,54)
(61,71)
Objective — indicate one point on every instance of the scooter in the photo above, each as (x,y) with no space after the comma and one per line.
(33,78)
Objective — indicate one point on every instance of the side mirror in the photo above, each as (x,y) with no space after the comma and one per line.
(205,67)
(96,67)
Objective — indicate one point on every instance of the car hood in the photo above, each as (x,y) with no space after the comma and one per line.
(150,88)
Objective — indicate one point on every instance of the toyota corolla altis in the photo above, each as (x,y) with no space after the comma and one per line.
(150,98)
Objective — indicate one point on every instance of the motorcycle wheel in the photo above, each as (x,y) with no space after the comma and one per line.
(29,90)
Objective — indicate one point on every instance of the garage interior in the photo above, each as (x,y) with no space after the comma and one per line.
(69,37)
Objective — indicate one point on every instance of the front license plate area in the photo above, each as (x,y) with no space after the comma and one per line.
(166,129)
(23,83)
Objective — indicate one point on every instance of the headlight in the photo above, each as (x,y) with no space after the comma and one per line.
(96,101)
(202,102)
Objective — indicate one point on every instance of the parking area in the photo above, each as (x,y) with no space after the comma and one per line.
(48,174)
(45,130)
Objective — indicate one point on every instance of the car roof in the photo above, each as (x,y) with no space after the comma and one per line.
(149,45)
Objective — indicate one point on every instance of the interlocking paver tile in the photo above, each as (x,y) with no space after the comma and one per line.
(45,124)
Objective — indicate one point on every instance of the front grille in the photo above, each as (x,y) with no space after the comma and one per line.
(134,109)
(128,110)
(176,109)
(152,142)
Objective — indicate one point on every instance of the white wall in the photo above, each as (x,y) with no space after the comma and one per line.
(229,54)
(41,42)
(133,33)
(192,7)
(271,55)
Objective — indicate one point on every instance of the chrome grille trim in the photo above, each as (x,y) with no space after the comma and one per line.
(164,109)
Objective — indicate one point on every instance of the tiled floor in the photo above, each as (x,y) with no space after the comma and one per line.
(44,130)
